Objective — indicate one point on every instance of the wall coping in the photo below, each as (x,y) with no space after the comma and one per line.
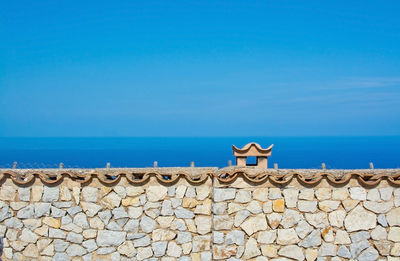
(198,175)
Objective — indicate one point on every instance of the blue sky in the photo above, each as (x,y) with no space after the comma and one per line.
(199,68)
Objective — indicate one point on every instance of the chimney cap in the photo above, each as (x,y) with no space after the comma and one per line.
(252,149)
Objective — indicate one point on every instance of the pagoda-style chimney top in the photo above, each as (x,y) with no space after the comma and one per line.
(252,150)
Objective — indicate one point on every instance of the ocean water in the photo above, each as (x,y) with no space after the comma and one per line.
(288,152)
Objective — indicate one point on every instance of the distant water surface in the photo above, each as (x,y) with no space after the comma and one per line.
(288,152)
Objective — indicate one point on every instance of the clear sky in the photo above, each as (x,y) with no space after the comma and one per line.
(199,68)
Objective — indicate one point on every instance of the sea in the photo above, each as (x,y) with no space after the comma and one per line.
(288,152)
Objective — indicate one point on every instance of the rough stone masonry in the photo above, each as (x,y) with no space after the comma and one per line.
(200,214)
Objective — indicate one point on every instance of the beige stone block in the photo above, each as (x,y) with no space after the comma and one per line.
(307,205)
(42,231)
(18,205)
(202,192)
(190,225)
(254,224)
(378,207)
(386,193)
(311,254)
(340,194)
(342,238)
(204,208)
(287,237)
(358,193)
(7,193)
(290,218)
(96,223)
(32,223)
(327,234)
(394,234)
(395,251)
(129,201)
(251,249)
(260,194)
(223,252)
(323,193)
(8,253)
(255,207)
(65,194)
(162,235)
(278,205)
(318,220)
(18,245)
(48,251)
(349,204)
(37,192)
(31,251)
(190,202)
(328,205)
(52,222)
(156,193)
(292,251)
(201,243)
(269,250)
(336,217)
(103,191)
(267,207)
(76,193)
(91,209)
(306,194)
(73,184)
(291,196)
(222,222)
(234,207)
(135,212)
(89,233)
(133,191)
(111,201)
(180,191)
(203,224)
(373,195)
(165,222)
(383,247)
(144,253)
(195,256)
(186,248)
(121,192)
(359,219)
(274,219)
(393,217)
(127,249)
(274,193)
(266,237)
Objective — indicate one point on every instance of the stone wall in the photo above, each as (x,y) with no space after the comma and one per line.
(198,217)
(296,222)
